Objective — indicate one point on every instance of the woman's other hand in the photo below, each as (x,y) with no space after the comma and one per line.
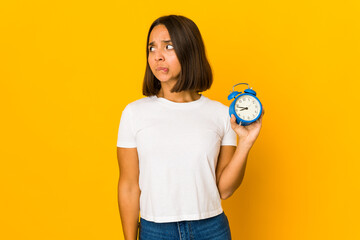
(247,134)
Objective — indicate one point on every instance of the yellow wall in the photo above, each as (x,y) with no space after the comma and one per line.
(68,68)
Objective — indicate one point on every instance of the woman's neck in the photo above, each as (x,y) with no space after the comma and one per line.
(180,97)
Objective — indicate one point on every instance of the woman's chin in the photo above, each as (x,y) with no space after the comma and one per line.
(165,80)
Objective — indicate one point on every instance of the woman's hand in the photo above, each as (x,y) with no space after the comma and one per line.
(247,134)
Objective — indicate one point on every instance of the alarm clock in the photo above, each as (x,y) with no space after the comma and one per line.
(246,107)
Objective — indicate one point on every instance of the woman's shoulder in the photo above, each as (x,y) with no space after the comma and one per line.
(219,110)
(140,103)
(217,104)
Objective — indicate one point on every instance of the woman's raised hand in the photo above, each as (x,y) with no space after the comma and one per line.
(247,134)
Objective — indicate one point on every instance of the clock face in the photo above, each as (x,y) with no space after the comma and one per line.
(247,107)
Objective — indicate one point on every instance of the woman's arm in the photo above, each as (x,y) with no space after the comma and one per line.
(231,169)
(129,191)
(232,162)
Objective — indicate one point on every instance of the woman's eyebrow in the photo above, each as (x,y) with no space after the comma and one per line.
(165,41)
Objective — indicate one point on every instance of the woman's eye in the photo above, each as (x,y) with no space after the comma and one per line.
(150,48)
(171,47)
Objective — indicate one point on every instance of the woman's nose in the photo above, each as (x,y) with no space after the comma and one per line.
(159,56)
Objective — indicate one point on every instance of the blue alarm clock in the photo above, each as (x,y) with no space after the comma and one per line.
(246,107)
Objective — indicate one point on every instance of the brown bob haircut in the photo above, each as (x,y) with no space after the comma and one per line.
(195,71)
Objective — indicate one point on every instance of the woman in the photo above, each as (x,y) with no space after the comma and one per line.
(177,149)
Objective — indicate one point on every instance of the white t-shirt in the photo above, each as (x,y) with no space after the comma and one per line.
(178,146)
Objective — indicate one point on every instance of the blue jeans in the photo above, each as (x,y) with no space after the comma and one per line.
(214,228)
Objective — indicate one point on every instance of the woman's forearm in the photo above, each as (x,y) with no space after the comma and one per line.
(234,172)
(129,206)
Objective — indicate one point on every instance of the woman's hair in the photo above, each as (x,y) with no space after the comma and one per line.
(195,71)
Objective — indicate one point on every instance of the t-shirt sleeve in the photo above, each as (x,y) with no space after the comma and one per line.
(126,136)
(229,134)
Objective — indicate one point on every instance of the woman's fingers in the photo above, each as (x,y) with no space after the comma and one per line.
(233,121)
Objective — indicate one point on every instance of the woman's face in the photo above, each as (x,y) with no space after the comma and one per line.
(162,59)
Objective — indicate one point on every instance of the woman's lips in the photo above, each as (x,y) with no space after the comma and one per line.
(162,69)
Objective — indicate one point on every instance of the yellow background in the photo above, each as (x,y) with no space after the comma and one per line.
(68,69)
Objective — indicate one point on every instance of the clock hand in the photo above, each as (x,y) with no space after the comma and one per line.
(243,108)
